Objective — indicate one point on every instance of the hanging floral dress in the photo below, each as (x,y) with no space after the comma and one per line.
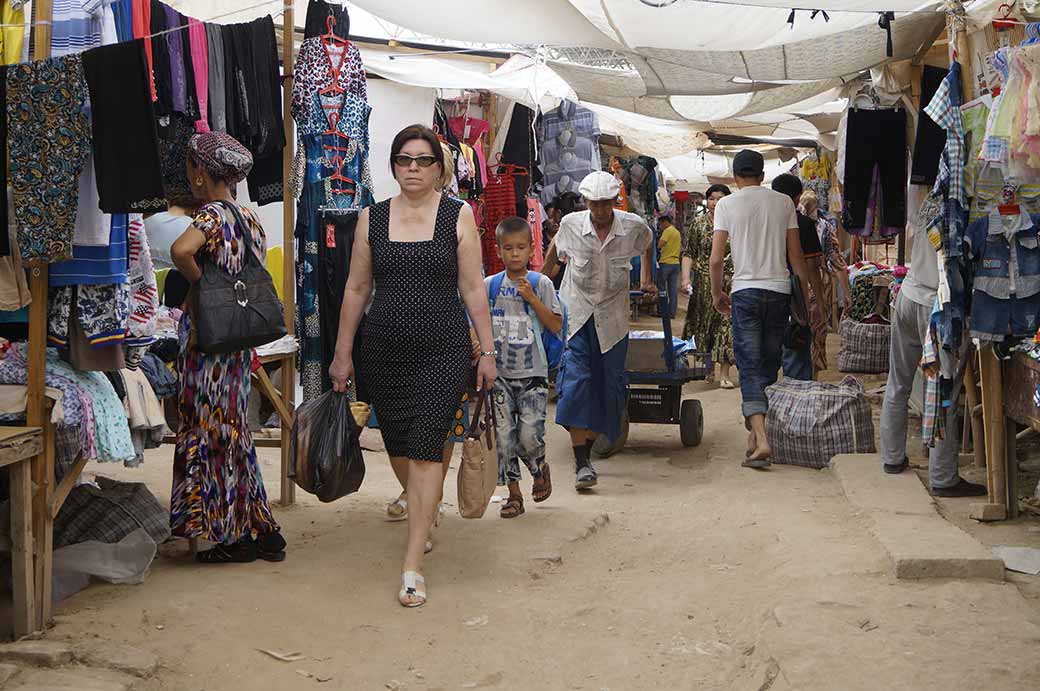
(218,491)
(712,331)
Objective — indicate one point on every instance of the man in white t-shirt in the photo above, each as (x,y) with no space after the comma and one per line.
(761,229)
(911,319)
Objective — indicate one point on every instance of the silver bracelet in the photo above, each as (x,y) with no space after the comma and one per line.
(489,353)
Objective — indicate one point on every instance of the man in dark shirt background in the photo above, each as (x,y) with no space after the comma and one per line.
(798,363)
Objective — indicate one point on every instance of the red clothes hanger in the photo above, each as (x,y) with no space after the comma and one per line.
(330,39)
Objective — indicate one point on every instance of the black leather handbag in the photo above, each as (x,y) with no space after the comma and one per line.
(235,313)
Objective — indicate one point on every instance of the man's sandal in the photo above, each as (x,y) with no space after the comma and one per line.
(413,586)
(542,488)
(513,507)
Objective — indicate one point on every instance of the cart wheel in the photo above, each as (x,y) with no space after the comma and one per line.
(691,423)
(605,449)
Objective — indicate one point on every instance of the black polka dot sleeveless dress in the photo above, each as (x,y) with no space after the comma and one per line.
(415,350)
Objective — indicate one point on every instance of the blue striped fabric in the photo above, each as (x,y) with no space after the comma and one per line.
(76,26)
(96,265)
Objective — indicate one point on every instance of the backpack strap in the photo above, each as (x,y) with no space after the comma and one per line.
(494,287)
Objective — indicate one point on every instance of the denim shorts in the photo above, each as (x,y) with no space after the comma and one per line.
(994,319)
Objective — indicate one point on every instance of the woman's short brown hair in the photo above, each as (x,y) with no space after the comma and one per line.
(411,133)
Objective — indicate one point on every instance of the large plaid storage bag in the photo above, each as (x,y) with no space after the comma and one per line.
(811,422)
(864,347)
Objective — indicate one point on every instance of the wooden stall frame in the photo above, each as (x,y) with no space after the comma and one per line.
(46,499)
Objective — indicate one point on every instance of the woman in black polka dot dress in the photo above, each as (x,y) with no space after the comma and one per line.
(422,252)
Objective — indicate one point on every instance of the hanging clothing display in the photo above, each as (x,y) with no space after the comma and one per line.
(95,265)
(815,173)
(125,143)
(49,139)
(875,150)
(569,148)
(1006,285)
(330,106)
(931,138)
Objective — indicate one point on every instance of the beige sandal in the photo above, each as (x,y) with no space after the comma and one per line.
(397,510)
(412,586)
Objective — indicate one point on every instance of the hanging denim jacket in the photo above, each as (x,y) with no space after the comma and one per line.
(1006,289)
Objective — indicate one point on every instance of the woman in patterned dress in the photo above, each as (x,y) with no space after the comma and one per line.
(218,492)
(712,331)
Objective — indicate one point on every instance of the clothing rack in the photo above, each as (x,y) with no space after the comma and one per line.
(47,497)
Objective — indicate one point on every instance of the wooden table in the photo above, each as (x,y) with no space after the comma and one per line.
(19,446)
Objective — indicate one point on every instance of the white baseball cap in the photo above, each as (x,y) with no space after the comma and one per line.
(599,186)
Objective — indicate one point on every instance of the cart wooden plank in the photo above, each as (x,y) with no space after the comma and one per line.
(18,446)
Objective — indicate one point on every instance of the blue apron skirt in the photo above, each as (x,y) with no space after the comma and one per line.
(592,385)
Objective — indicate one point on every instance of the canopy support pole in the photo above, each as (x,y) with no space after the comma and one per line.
(288,488)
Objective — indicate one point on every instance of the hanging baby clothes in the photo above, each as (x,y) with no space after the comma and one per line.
(144,293)
(49,141)
(1006,288)
(816,176)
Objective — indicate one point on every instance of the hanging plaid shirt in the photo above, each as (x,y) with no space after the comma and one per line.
(944,109)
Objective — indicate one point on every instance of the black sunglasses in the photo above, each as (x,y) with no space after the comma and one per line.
(424,161)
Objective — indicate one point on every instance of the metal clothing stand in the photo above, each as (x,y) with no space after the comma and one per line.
(34,608)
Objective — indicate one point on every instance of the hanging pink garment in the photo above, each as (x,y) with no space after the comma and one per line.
(471,131)
(200,65)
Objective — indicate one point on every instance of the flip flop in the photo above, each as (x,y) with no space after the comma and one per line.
(412,585)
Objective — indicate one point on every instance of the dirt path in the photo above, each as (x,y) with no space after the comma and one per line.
(707,576)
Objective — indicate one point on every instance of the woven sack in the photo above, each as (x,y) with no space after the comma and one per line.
(811,422)
(864,347)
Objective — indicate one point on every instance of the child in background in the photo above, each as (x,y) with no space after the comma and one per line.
(523,305)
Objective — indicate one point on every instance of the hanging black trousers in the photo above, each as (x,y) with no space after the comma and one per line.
(875,137)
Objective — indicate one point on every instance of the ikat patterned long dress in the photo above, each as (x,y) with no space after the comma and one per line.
(713,332)
(218,492)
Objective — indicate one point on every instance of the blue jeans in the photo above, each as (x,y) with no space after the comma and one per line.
(759,322)
(798,364)
(668,283)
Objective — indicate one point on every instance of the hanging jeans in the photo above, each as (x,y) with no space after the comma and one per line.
(875,137)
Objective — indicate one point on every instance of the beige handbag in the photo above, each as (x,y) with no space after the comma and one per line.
(478,474)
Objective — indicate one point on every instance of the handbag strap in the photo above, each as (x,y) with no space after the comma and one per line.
(483,404)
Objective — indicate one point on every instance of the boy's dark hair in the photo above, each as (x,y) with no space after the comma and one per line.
(787,184)
(665,217)
(510,225)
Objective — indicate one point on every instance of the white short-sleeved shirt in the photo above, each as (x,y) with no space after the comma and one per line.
(596,283)
(757,220)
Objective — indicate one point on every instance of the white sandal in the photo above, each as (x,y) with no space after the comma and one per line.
(412,585)
(399,504)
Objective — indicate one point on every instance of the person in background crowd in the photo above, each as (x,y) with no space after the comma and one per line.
(798,363)
(668,246)
(598,245)
(567,203)
(833,265)
(911,318)
(421,252)
(520,312)
(165,227)
(218,491)
(711,330)
(760,229)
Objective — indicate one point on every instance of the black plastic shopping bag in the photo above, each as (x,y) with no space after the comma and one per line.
(325,449)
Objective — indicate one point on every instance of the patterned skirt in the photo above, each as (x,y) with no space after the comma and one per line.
(218,491)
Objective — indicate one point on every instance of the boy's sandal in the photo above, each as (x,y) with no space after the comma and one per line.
(513,507)
(413,586)
(397,510)
(542,488)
